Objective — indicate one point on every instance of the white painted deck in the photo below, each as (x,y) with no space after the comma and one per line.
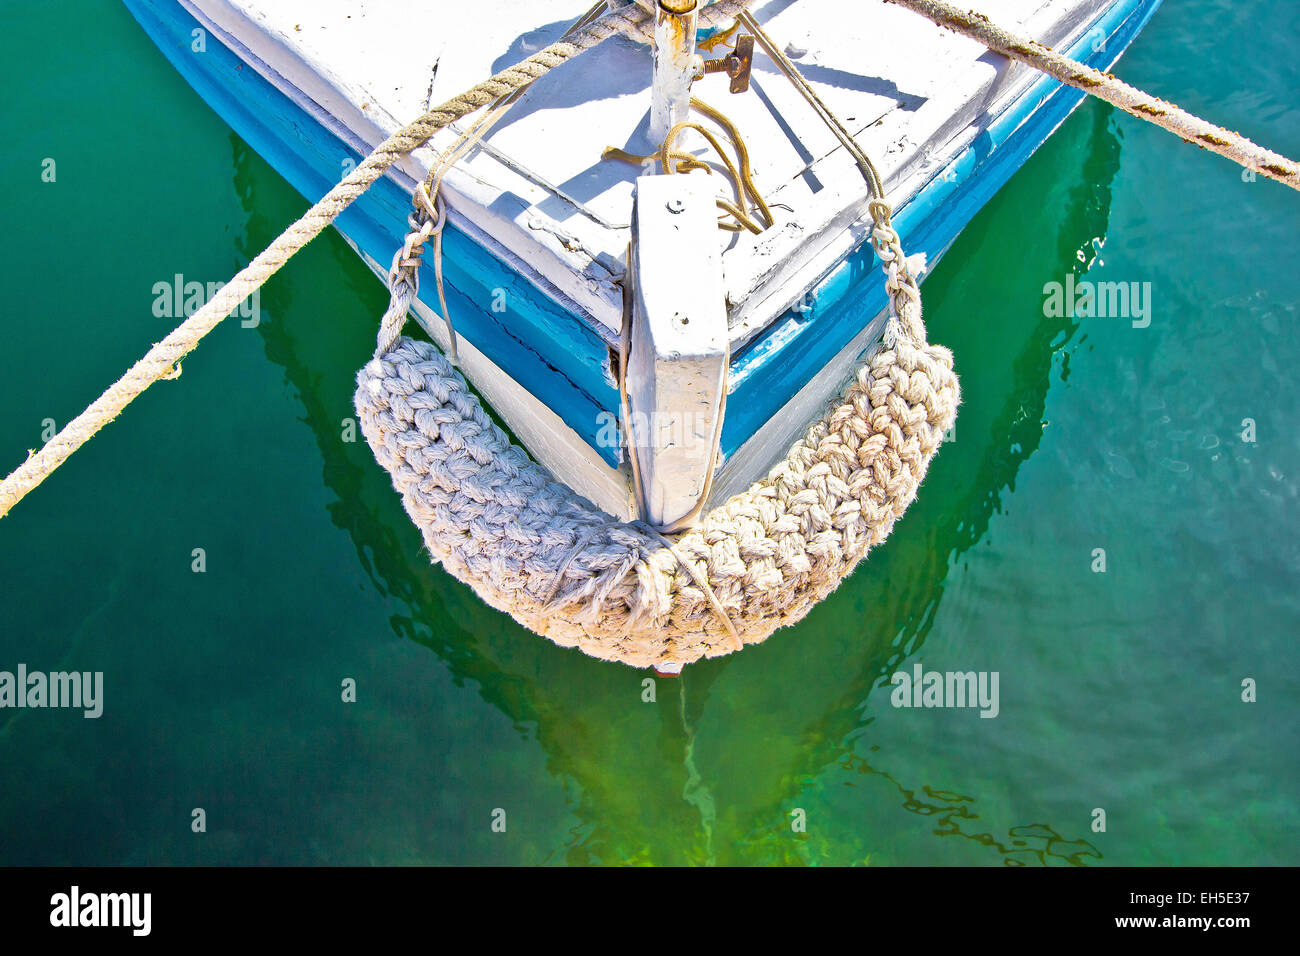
(914,96)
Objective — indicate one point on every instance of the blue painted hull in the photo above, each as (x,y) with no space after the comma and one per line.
(537,342)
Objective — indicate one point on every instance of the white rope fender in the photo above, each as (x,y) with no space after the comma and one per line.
(535,549)
(531,547)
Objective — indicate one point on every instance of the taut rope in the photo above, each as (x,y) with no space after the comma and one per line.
(1116,92)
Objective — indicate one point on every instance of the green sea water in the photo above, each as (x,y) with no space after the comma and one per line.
(1120,690)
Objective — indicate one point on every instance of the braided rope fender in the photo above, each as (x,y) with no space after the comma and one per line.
(530,546)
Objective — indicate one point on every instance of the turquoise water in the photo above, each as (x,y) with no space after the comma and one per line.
(1118,690)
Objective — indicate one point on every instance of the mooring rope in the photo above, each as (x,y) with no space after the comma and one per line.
(161,360)
(1119,94)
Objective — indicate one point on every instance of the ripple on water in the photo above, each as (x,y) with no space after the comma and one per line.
(1120,466)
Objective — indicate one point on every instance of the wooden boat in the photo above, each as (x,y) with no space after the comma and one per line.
(539,222)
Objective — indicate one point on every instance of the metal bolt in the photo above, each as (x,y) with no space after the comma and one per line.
(676,205)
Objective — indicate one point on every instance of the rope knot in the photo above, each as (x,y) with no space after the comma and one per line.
(425,222)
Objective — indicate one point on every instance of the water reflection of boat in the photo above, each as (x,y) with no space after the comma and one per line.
(692,766)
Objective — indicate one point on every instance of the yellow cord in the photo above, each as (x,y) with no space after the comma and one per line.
(718,38)
(739,174)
